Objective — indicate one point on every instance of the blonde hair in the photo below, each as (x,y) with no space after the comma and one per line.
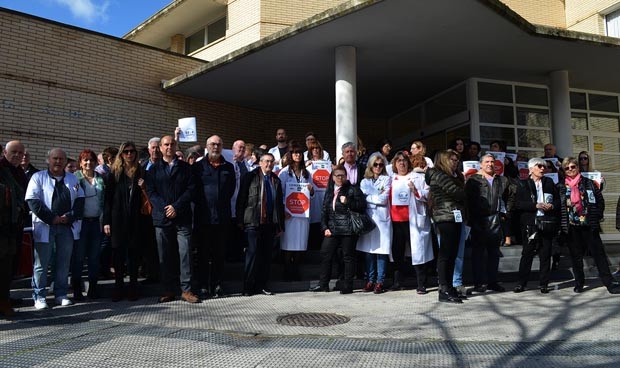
(442,160)
(368,174)
(120,166)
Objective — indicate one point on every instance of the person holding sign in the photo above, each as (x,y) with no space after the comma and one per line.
(399,212)
(537,198)
(376,245)
(448,213)
(582,207)
(320,171)
(297,187)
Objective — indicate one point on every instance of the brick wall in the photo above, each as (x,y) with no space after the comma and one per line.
(279,14)
(585,16)
(545,12)
(62,86)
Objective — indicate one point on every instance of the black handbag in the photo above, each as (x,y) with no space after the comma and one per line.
(361,223)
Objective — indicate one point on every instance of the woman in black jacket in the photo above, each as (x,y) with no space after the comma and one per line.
(448,212)
(537,198)
(340,199)
(121,215)
(582,207)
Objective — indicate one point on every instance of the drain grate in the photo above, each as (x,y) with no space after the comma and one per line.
(312,319)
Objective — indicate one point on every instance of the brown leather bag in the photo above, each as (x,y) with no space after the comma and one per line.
(145,205)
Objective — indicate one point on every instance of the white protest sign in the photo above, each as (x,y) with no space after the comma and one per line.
(297,200)
(188,130)
(470,168)
(400,191)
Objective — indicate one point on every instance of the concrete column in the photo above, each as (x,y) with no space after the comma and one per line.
(560,113)
(346,98)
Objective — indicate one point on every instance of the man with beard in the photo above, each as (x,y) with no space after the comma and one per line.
(12,212)
(280,149)
(212,214)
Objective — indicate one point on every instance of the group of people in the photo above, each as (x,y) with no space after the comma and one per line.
(156,209)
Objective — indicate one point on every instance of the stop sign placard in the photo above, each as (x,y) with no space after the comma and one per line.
(320,178)
(297,203)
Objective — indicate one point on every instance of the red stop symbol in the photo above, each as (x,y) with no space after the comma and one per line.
(297,203)
(499,167)
(321,178)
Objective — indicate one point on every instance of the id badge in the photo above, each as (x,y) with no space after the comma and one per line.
(458,217)
(591,197)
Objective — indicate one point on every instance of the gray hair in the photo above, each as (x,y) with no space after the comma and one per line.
(154,139)
(487,155)
(535,162)
(349,144)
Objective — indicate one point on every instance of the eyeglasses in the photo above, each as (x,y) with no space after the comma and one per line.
(583,158)
(129,152)
(378,164)
(541,166)
(454,159)
(570,167)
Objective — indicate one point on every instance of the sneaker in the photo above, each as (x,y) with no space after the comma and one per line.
(40,304)
(63,301)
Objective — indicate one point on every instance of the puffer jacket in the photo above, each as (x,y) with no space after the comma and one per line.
(338,221)
(447,195)
(482,199)
(595,209)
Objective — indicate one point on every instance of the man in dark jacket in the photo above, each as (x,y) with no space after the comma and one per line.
(489,198)
(260,211)
(212,219)
(170,185)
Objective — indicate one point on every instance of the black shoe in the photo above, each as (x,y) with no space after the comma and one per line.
(319,288)
(218,292)
(544,289)
(346,291)
(555,265)
(614,288)
(149,281)
(578,289)
(519,289)
(496,287)
(247,293)
(265,292)
(477,289)
(445,297)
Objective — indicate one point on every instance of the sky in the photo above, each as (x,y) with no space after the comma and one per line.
(113,17)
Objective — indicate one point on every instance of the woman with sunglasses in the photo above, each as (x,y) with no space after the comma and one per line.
(399,212)
(582,207)
(377,243)
(448,213)
(121,217)
(294,240)
(585,165)
(537,197)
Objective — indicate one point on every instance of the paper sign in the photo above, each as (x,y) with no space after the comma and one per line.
(499,162)
(298,200)
(554,161)
(400,192)
(595,176)
(553,176)
(470,168)
(512,156)
(321,171)
(524,171)
(188,130)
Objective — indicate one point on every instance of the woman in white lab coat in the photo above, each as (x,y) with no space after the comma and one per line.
(376,244)
(419,222)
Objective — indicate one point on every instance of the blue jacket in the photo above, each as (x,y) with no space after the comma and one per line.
(174,189)
(214,190)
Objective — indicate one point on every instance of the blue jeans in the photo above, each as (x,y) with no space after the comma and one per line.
(375,267)
(457,278)
(89,245)
(173,245)
(62,238)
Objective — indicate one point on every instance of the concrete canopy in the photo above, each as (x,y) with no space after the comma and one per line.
(406,52)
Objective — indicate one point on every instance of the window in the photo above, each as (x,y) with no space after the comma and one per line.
(205,36)
(612,24)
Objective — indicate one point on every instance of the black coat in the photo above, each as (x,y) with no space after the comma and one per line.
(483,200)
(215,187)
(338,221)
(250,200)
(447,194)
(122,209)
(176,189)
(527,200)
(595,209)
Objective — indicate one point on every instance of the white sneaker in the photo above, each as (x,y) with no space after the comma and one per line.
(40,304)
(64,301)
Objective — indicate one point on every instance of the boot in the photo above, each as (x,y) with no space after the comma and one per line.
(93,293)
(5,308)
(132,292)
(446,295)
(396,284)
(77,289)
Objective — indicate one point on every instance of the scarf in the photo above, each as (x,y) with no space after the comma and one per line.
(575,194)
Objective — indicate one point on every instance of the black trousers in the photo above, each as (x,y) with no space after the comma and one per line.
(328,251)
(542,246)
(580,239)
(400,239)
(420,272)
(148,244)
(449,234)
(6,275)
(482,242)
(130,255)
(258,257)
(212,245)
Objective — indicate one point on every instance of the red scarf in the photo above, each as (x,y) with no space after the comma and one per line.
(575,194)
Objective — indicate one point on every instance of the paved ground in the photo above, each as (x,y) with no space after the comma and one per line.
(401,329)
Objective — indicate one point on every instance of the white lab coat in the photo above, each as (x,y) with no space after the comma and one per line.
(295,235)
(420,222)
(41,187)
(379,240)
